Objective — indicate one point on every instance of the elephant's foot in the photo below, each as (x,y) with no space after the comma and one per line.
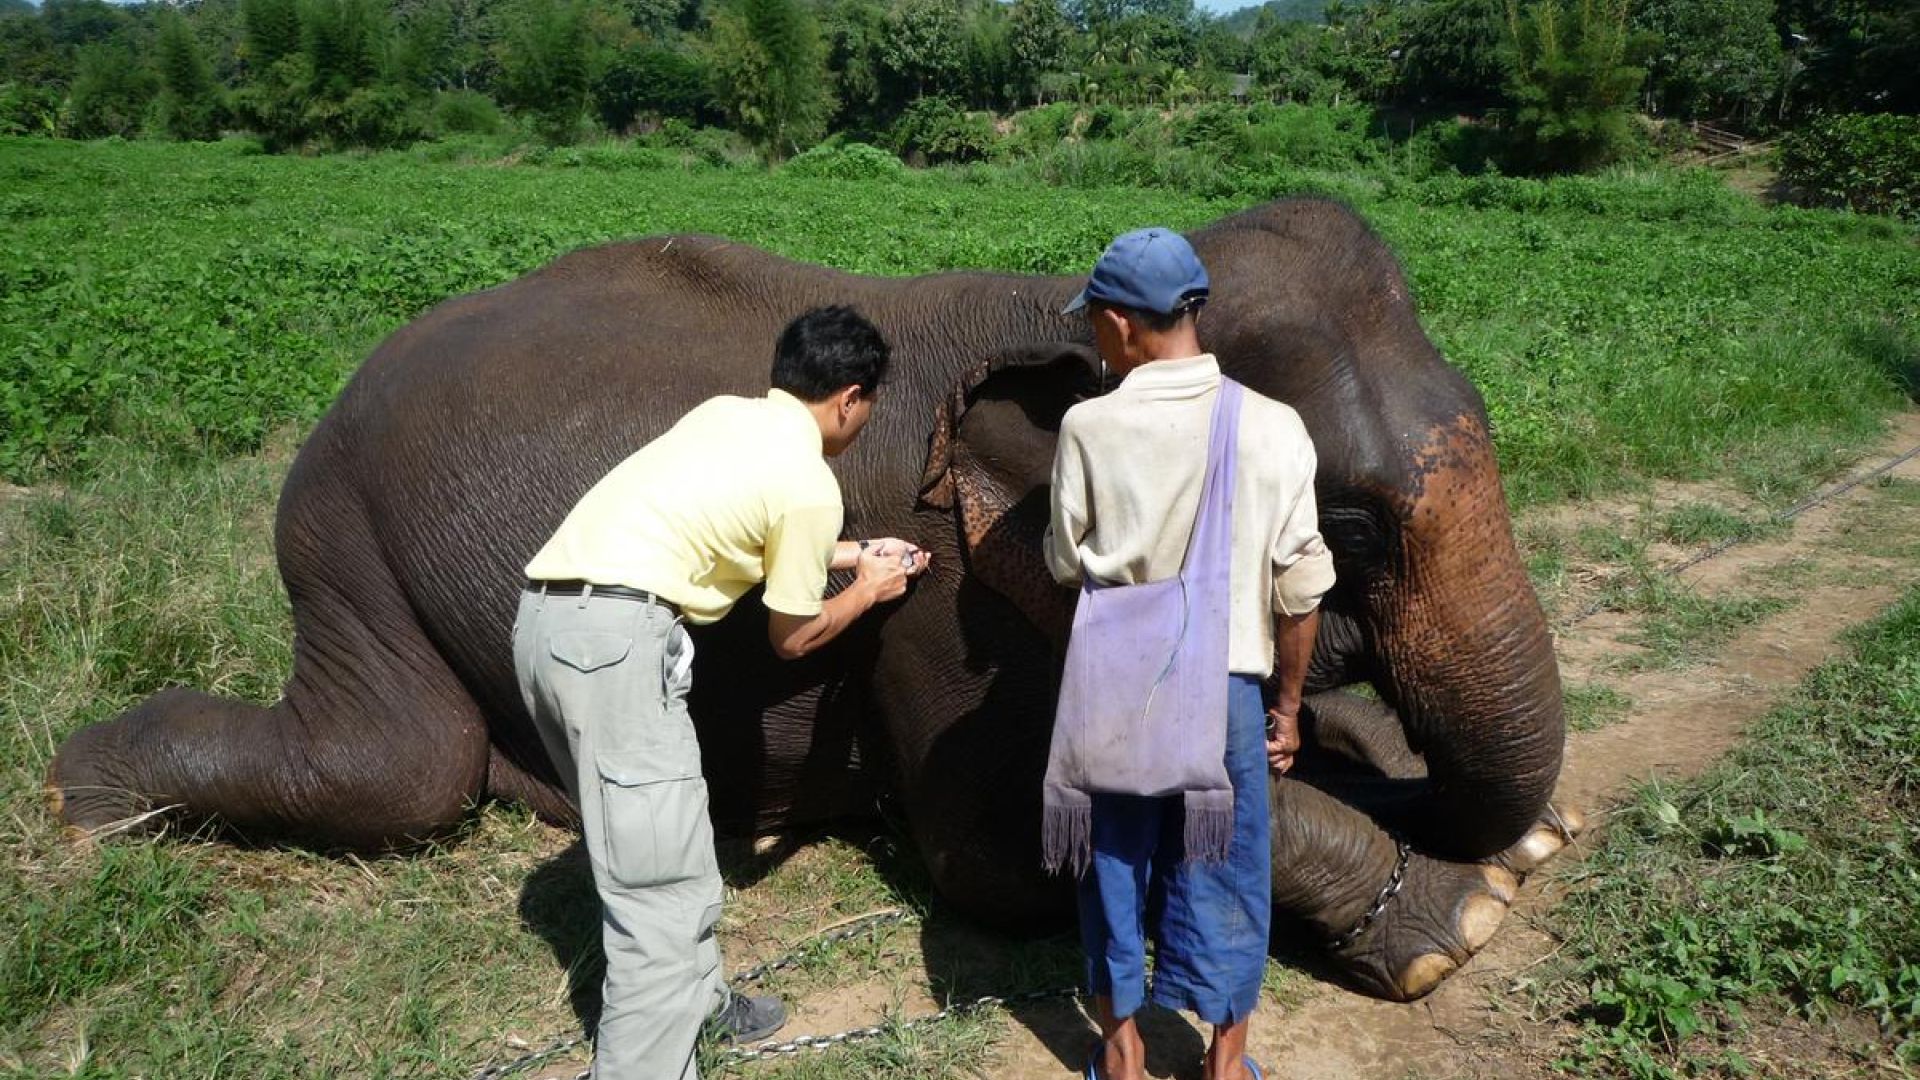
(1557,828)
(1443,913)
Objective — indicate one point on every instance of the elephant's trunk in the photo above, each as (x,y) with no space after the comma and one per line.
(1467,658)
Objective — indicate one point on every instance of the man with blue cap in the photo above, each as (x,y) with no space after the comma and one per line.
(1183,507)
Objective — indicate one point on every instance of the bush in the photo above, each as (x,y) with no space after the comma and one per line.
(111,92)
(627,157)
(28,110)
(466,112)
(1312,136)
(1221,130)
(937,131)
(1868,163)
(848,161)
(1449,144)
(650,79)
(1039,130)
(709,146)
(376,116)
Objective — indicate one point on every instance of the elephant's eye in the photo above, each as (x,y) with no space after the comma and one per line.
(1355,528)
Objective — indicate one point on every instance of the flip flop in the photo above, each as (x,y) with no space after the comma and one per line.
(1252,1068)
(1093,1061)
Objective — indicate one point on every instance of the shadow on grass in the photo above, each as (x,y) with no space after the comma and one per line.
(963,960)
(1893,349)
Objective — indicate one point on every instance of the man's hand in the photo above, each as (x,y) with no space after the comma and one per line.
(882,573)
(912,557)
(1283,739)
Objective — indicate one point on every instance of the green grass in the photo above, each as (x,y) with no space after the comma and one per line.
(1591,706)
(1703,523)
(1680,627)
(1880,527)
(1780,884)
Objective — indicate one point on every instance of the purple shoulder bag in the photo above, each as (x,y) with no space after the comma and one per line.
(1143,698)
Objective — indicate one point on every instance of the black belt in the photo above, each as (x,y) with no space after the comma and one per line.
(575,587)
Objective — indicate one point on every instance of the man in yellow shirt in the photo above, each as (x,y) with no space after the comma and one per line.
(738,492)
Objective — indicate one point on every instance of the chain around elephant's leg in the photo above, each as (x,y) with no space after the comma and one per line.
(1418,918)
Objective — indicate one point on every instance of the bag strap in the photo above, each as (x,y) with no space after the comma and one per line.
(1216,491)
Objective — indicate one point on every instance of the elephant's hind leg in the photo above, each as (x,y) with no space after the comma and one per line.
(374,745)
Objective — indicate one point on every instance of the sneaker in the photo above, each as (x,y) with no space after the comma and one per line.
(747,1018)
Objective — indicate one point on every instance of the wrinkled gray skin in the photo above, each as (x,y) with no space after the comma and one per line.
(466,436)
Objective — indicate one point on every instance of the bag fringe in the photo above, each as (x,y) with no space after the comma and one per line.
(1208,831)
(1066,832)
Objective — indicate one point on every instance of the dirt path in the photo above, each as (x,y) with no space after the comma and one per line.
(1839,564)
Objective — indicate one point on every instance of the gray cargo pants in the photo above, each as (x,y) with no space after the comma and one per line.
(606,681)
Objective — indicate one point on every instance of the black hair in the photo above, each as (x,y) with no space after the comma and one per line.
(826,349)
(1162,321)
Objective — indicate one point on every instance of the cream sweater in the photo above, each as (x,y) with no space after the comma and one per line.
(1126,486)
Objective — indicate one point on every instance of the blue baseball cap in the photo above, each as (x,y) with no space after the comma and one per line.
(1151,269)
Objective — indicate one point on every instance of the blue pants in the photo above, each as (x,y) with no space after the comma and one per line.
(1208,921)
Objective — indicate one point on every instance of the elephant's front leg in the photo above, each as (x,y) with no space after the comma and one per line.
(1357,751)
(1396,922)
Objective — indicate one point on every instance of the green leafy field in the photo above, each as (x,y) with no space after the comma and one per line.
(192,297)
(171,317)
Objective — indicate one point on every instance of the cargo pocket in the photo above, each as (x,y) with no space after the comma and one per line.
(654,817)
(589,650)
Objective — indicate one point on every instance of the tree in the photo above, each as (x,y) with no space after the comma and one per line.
(770,74)
(423,48)
(924,50)
(83,22)
(1851,55)
(649,78)
(111,92)
(29,56)
(545,67)
(1037,40)
(343,41)
(1220,49)
(987,63)
(1715,57)
(853,31)
(189,98)
(1349,58)
(1453,54)
(1573,82)
(272,31)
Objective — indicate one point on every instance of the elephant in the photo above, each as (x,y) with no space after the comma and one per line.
(1433,723)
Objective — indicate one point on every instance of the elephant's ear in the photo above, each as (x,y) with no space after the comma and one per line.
(990,462)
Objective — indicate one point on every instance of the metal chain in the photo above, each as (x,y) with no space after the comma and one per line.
(823,1042)
(1387,893)
(528,1061)
(797,955)
(758,973)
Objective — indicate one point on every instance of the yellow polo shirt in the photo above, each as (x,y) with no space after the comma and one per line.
(734,494)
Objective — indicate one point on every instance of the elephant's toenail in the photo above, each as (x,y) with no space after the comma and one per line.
(1501,882)
(1480,916)
(1569,820)
(1424,973)
(1536,847)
